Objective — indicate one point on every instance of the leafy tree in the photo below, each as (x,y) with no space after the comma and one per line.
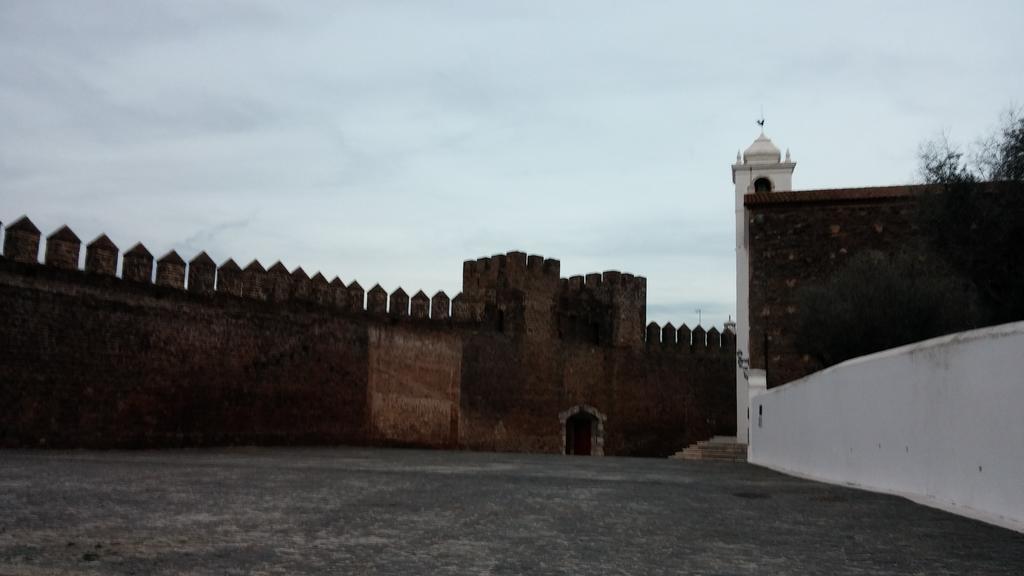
(996,158)
(967,272)
(878,301)
(975,216)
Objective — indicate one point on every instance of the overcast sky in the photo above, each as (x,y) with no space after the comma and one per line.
(387,141)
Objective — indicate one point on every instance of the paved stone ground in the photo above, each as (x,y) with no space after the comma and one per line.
(362,511)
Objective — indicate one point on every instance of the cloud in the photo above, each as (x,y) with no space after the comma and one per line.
(387,141)
(208,235)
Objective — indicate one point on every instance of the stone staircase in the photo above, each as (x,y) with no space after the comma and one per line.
(717,449)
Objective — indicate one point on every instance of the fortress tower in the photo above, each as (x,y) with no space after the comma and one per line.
(760,170)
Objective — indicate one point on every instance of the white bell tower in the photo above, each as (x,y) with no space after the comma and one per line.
(760,170)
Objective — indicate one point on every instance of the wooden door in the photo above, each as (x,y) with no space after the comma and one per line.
(581,433)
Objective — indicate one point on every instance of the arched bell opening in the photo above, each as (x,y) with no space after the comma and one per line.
(762,185)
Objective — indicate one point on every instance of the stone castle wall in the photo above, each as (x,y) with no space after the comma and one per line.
(192,354)
(93,361)
(798,238)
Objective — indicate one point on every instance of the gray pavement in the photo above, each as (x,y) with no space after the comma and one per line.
(366,511)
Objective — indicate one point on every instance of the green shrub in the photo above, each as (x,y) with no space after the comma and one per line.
(876,302)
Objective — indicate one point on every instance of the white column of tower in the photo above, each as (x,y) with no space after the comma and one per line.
(760,169)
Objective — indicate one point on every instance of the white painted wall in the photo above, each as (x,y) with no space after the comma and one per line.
(742,313)
(743,176)
(939,421)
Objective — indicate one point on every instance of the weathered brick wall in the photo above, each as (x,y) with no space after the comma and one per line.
(508,398)
(413,391)
(258,357)
(670,399)
(656,400)
(93,361)
(804,239)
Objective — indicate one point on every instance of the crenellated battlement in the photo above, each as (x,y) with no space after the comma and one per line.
(668,338)
(513,292)
(170,271)
(316,359)
(62,249)
(606,283)
(515,266)
(605,307)
(202,277)
(202,274)
(21,243)
(481,278)
(526,294)
(101,256)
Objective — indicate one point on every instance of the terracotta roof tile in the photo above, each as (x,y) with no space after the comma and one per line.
(836,194)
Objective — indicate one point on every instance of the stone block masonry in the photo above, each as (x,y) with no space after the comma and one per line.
(176,353)
(800,238)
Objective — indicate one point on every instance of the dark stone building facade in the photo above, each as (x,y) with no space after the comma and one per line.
(799,238)
(176,353)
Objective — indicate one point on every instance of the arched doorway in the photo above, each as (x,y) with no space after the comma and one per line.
(579,434)
(582,431)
